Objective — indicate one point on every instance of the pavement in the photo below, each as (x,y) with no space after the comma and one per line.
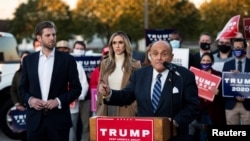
(3,137)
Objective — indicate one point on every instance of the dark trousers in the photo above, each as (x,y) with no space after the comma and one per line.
(46,132)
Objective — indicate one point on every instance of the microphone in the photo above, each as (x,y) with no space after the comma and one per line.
(171,67)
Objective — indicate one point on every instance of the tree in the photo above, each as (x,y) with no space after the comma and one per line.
(103,17)
(29,14)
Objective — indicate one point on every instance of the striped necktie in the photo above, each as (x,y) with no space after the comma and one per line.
(156,92)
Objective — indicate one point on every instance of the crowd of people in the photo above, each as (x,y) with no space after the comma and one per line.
(55,90)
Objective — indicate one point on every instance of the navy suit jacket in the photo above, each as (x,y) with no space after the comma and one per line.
(64,73)
(185,96)
(230,102)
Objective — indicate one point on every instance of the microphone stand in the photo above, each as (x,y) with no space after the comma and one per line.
(171,72)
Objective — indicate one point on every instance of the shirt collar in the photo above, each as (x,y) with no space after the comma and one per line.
(51,54)
(164,73)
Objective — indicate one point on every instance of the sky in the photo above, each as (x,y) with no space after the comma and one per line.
(7,7)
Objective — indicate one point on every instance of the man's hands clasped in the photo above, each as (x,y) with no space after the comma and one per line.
(39,104)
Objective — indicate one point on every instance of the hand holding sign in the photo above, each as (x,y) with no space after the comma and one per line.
(231,29)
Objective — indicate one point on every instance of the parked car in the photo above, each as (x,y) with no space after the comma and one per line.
(9,63)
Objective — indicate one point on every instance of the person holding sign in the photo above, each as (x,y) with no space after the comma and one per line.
(238,107)
(212,112)
(14,92)
(175,41)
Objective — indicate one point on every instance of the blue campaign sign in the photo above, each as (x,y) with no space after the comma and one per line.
(235,84)
(152,35)
(89,63)
(18,120)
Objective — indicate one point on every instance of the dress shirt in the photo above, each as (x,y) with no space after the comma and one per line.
(243,63)
(45,68)
(154,79)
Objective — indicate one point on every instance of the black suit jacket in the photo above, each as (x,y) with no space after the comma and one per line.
(64,73)
(228,66)
(185,96)
(196,60)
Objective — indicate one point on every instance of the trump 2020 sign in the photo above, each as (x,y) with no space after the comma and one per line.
(236,84)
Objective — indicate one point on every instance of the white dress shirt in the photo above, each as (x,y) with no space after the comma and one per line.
(45,68)
(154,78)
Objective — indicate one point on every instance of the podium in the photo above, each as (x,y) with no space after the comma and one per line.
(130,128)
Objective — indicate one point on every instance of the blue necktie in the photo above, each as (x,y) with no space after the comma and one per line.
(156,92)
(240,66)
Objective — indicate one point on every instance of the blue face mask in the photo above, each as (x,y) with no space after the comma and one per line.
(175,44)
(238,53)
(206,66)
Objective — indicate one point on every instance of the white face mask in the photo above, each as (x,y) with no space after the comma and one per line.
(77,52)
(175,43)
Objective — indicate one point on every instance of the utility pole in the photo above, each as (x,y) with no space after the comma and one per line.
(146,14)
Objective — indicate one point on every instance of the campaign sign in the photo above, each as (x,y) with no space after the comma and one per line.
(124,129)
(93,99)
(235,84)
(181,56)
(218,66)
(231,29)
(18,120)
(246,26)
(89,63)
(205,83)
(152,35)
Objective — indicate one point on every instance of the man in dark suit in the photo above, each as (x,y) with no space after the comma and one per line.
(178,97)
(238,108)
(46,76)
(205,42)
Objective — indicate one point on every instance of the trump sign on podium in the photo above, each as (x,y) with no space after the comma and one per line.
(235,84)
(205,82)
(107,128)
(115,129)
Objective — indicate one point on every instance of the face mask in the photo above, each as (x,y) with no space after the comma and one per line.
(238,53)
(224,48)
(205,46)
(77,52)
(175,43)
(206,66)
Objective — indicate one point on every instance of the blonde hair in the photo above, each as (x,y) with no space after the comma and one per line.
(129,62)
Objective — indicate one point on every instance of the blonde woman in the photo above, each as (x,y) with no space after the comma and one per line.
(115,71)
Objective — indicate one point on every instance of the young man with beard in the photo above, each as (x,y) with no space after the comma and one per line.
(46,75)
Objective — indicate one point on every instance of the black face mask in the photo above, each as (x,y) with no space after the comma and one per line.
(205,46)
(224,48)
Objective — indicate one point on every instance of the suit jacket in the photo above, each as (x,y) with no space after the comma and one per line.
(230,102)
(64,73)
(196,60)
(185,96)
